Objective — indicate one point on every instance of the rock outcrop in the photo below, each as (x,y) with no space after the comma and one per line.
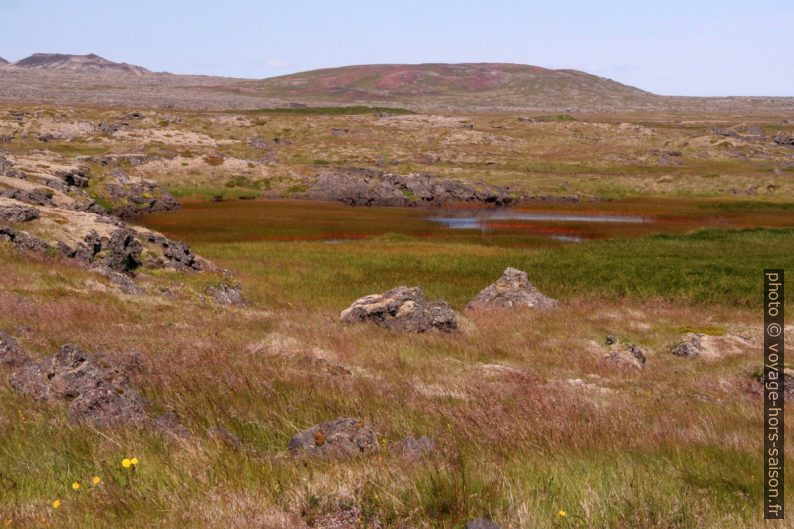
(784,138)
(402,309)
(368,187)
(626,355)
(342,438)
(225,294)
(691,347)
(512,290)
(96,388)
(18,213)
(129,198)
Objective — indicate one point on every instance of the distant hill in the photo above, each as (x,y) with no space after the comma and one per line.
(77,63)
(3,61)
(500,83)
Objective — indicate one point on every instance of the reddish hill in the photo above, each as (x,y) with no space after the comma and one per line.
(508,83)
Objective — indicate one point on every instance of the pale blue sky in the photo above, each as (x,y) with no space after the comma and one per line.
(707,47)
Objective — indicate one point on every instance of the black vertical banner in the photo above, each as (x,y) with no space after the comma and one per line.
(773,395)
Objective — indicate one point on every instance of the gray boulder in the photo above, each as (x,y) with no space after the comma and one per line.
(342,438)
(224,294)
(512,290)
(413,448)
(11,354)
(783,138)
(691,347)
(403,309)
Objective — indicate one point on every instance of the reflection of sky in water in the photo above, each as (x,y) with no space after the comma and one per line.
(479,220)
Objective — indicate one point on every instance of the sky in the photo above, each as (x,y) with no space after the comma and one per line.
(672,47)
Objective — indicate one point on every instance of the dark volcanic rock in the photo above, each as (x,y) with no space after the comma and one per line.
(41,196)
(97,389)
(23,240)
(18,213)
(124,282)
(342,438)
(367,187)
(176,253)
(403,309)
(512,290)
(11,354)
(135,198)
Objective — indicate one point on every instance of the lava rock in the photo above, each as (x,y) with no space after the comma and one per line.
(97,389)
(784,138)
(342,438)
(402,309)
(512,290)
(17,213)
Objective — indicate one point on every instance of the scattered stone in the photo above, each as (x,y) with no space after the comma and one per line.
(691,347)
(342,438)
(15,213)
(610,339)
(40,196)
(482,523)
(412,448)
(11,354)
(784,138)
(512,290)
(97,389)
(226,294)
(403,309)
(75,177)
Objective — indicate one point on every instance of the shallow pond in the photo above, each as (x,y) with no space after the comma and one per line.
(535,225)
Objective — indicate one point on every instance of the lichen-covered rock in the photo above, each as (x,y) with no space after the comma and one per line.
(402,309)
(512,290)
(11,354)
(97,389)
(18,213)
(342,438)
(784,138)
(225,294)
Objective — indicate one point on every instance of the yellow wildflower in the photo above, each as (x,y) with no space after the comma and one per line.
(126,463)
(76,485)
(562,514)
(96,480)
(56,504)
(134,461)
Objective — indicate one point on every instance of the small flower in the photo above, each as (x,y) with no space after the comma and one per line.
(76,485)
(134,461)
(126,463)
(56,504)
(562,514)
(96,480)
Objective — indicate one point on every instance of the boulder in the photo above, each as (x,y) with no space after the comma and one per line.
(342,438)
(512,290)
(97,388)
(403,309)
(11,354)
(691,347)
